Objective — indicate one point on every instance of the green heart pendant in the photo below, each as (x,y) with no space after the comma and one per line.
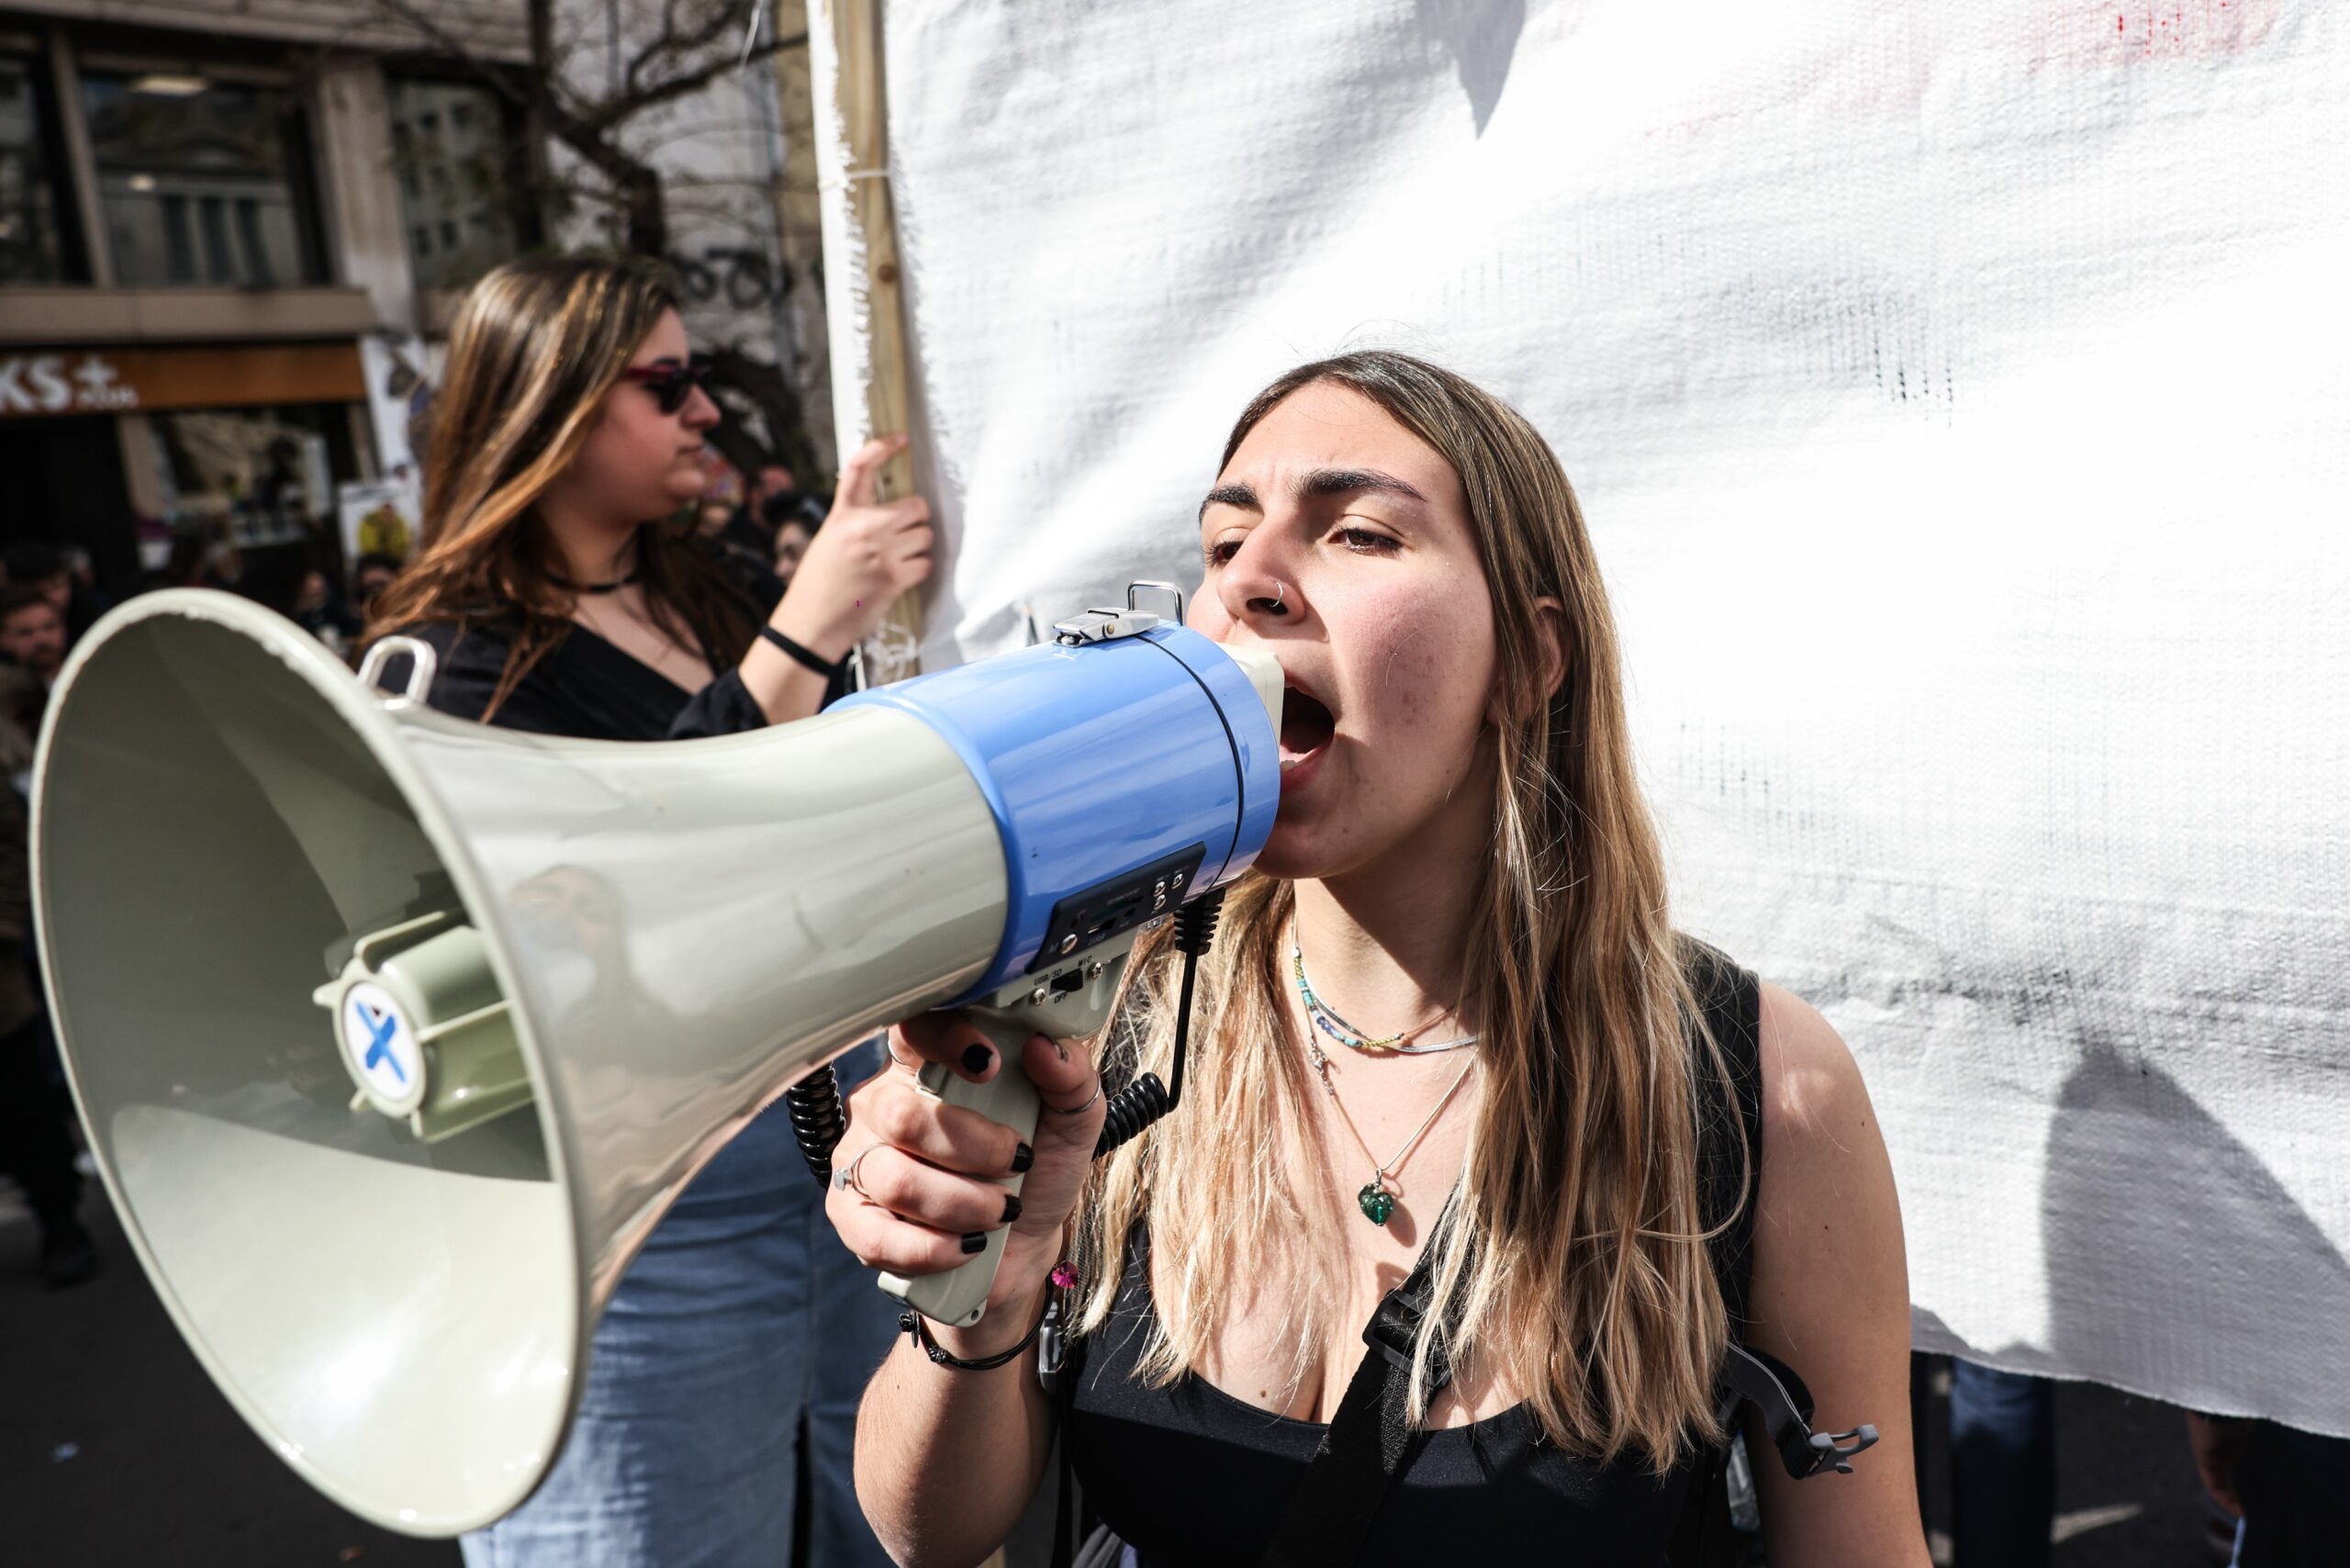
(1377,1202)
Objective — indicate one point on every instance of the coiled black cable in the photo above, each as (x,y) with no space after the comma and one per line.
(818,1121)
(1145,1101)
(1132,1109)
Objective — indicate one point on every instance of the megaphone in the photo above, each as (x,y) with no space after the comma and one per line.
(395,1035)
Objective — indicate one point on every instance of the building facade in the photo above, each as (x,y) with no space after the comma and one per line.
(222,226)
(233,232)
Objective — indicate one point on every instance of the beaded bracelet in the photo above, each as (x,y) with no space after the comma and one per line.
(911,1323)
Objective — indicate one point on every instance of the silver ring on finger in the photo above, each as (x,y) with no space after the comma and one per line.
(844,1178)
(1079,1110)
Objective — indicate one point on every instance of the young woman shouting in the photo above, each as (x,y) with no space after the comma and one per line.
(1446,1013)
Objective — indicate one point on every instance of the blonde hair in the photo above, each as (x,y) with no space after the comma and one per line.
(537,347)
(1578,1251)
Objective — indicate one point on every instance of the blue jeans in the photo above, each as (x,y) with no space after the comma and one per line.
(743,1318)
(2003,1467)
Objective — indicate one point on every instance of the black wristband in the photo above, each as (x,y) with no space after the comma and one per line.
(803,655)
(912,1324)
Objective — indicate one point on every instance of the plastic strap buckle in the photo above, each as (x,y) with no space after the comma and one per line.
(1394,1328)
(1752,1377)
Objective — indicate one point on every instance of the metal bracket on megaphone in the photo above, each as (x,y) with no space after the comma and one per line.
(423,665)
(1108,625)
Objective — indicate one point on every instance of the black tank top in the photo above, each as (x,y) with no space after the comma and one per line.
(1188,1474)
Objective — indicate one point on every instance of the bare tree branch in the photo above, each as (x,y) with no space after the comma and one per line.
(499,78)
(652,49)
(678,86)
(719,24)
(695,41)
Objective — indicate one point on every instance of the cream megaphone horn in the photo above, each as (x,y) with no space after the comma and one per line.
(394,1035)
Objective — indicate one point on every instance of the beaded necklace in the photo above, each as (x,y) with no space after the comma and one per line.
(1327,1019)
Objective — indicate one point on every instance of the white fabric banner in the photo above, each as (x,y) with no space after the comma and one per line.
(1958,395)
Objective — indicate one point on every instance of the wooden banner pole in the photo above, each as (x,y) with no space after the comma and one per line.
(861,100)
(862,92)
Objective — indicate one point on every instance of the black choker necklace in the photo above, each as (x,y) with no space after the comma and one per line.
(568,586)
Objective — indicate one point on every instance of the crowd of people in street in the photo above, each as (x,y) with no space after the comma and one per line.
(47,601)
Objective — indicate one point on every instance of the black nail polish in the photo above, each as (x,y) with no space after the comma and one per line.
(977,1058)
(1022,1159)
(1010,1207)
(975,1242)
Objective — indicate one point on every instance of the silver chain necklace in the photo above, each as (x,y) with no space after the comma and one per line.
(1377,1199)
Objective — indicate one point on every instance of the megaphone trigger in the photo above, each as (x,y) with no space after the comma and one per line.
(1036,1005)
(959,1296)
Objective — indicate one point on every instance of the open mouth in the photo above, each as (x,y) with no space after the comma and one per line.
(1306,725)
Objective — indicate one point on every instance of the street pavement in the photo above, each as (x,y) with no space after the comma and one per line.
(115,1450)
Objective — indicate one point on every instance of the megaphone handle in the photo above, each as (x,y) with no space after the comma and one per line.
(959,1296)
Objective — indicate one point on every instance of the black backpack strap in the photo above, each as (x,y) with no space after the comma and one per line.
(1730,999)
(1370,1440)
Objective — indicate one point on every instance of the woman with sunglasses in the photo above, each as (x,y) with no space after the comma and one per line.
(562,598)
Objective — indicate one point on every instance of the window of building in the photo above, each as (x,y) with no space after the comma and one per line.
(179,241)
(449,140)
(203,181)
(32,238)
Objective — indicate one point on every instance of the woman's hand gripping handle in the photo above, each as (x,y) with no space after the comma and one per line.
(959,1296)
(960,1172)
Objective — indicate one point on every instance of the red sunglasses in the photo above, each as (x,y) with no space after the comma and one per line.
(670,385)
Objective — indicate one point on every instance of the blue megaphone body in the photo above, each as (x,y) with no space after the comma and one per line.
(1131,767)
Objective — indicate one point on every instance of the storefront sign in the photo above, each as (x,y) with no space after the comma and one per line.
(118,381)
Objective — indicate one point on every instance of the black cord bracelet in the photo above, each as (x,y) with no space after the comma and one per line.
(911,1323)
(803,655)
